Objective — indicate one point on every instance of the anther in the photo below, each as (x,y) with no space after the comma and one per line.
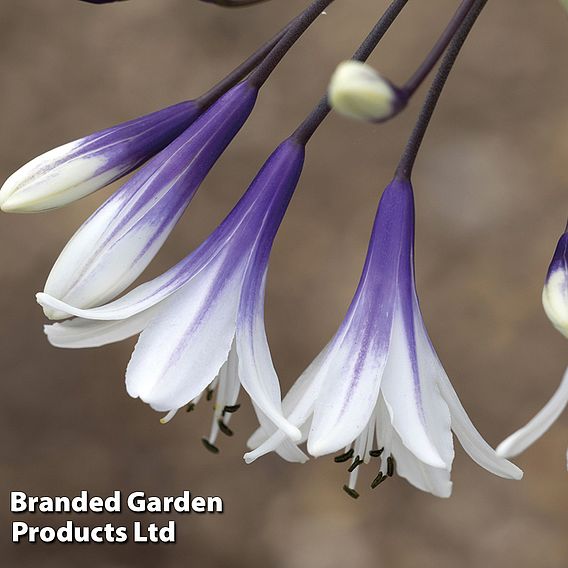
(231,409)
(351,492)
(209,446)
(390,466)
(356,463)
(190,407)
(209,395)
(344,457)
(224,428)
(378,480)
(376,453)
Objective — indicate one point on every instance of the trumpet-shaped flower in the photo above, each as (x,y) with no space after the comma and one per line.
(112,248)
(84,166)
(204,318)
(377,391)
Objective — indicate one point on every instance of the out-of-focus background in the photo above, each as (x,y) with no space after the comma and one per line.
(491,202)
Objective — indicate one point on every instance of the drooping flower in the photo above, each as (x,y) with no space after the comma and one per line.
(377,391)
(555,302)
(203,320)
(84,166)
(112,248)
(555,291)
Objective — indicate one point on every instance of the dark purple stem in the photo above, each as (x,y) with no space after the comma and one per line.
(406,164)
(297,28)
(240,72)
(305,131)
(437,51)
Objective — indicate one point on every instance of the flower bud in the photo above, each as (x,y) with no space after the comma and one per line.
(357,91)
(79,168)
(555,293)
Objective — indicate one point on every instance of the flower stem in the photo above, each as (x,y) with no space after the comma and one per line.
(305,131)
(240,72)
(437,51)
(294,32)
(406,164)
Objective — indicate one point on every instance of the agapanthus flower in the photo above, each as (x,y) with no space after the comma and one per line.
(112,248)
(378,391)
(555,291)
(203,320)
(81,167)
(555,302)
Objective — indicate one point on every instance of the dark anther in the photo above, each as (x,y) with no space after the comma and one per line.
(351,492)
(376,453)
(231,409)
(356,463)
(378,480)
(190,407)
(344,457)
(209,446)
(390,466)
(224,428)
(210,394)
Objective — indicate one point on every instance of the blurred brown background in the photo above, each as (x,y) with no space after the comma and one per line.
(492,201)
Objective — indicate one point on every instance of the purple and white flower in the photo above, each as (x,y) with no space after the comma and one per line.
(112,248)
(203,320)
(555,302)
(555,291)
(378,391)
(81,167)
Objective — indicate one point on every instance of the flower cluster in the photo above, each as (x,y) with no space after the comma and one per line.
(377,392)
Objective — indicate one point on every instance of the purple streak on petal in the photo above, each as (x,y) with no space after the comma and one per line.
(157,195)
(368,324)
(127,145)
(560,259)
(272,189)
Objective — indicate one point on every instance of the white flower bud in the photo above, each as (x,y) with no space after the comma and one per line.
(357,91)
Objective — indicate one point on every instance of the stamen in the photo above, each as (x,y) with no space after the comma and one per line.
(344,457)
(209,395)
(356,463)
(168,416)
(190,407)
(376,453)
(390,466)
(231,409)
(378,480)
(351,492)
(209,446)
(224,428)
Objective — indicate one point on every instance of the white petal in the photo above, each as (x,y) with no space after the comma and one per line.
(418,413)
(35,182)
(526,436)
(298,406)
(257,373)
(144,296)
(182,350)
(107,253)
(80,333)
(350,379)
(555,300)
(471,440)
(434,480)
